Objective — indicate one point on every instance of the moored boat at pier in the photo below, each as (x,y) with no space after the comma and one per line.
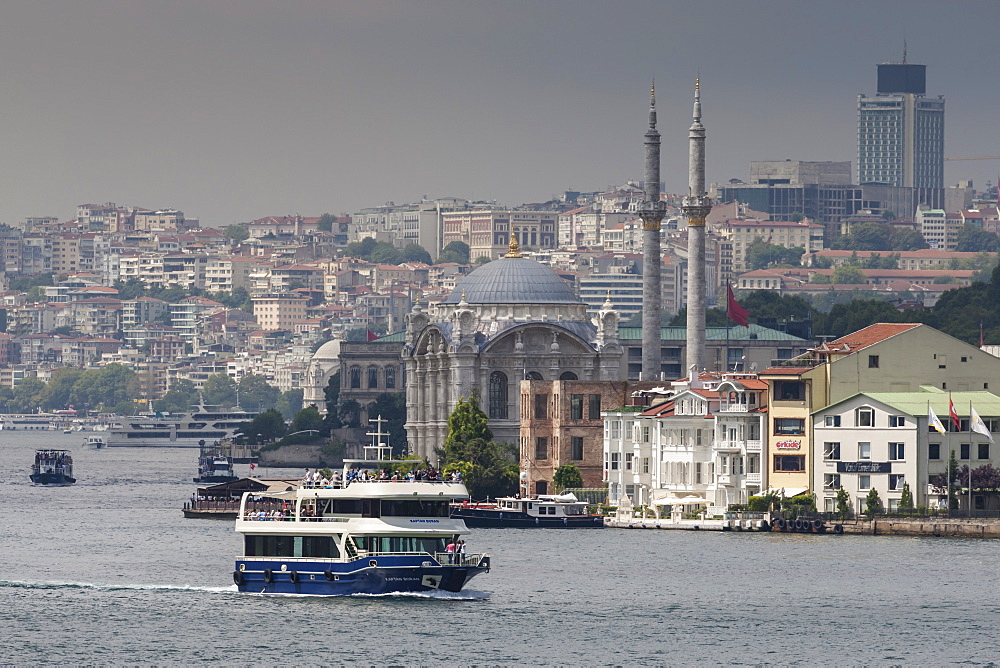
(544,511)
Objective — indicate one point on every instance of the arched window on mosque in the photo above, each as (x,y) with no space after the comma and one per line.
(373,376)
(390,377)
(355,377)
(533,375)
(498,395)
(568,375)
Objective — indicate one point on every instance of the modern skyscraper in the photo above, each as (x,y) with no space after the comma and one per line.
(901,131)
(651,211)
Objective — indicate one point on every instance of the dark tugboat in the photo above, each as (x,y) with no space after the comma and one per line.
(53,468)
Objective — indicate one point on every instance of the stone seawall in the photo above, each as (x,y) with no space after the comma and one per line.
(924,526)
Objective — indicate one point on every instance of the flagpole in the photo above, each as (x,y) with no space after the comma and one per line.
(970,460)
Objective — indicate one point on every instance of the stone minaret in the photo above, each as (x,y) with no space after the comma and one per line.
(697,206)
(651,211)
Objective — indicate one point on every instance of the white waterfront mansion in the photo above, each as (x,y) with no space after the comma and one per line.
(697,444)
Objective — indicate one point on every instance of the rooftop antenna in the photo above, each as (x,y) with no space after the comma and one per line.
(904,50)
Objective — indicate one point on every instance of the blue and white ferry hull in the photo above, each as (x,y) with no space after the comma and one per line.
(377,575)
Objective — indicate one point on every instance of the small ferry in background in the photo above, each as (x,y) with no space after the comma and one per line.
(95,442)
(362,534)
(204,424)
(53,468)
(547,511)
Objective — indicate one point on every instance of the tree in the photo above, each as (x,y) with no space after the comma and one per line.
(456,252)
(416,253)
(848,274)
(256,393)
(326,222)
(466,423)
(761,255)
(904,239)
(384,253)
(133,288)
(360,249)
(237,233)
(307,419)
(973,239)
(843,504)
(26,396)
(179,398)
(483,259)
(392,407)
(332,395)
(290,403)
(906,498)
(268,426)
(566,476)
(873,504)
(56,394)
(219,390)
(349,413)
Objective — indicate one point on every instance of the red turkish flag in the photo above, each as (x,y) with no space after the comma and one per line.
(372,335)
(736,313)
(954,415)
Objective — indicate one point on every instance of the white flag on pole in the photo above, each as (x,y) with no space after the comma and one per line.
(933,421)
(977,425)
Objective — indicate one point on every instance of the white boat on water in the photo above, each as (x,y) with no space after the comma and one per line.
(202,425)
(95,442)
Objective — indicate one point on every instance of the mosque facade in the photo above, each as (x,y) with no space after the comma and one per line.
(511,319)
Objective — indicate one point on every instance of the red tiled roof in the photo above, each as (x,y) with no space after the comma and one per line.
(874,334)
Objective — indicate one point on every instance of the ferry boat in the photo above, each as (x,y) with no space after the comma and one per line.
(547,511)
(52,468)
(194,429)
(214,468)
(372,536)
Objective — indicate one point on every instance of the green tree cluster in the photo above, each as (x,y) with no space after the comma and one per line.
(760,255)
(237,233)
(488,468)
(567,476)
(456,252)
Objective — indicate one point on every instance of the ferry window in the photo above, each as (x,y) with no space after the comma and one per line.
(498,395)
(370,507)
(541,448)
(576,407)
(541,406)
(414,508)
(594,407)
(346,507)
(789,463)
(576,445)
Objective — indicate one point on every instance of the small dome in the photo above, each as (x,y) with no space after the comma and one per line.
(513,280)
(328,351)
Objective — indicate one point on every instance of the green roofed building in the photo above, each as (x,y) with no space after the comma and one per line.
(885,440)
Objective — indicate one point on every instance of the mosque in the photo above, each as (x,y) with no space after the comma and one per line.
(509,320)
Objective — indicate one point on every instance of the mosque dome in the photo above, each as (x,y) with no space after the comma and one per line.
(513,279)
(328,351)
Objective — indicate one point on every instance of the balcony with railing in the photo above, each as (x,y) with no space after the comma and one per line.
(753,478)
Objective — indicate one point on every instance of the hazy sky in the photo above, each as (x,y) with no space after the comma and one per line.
(233,110)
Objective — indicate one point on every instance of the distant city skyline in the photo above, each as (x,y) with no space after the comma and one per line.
(232,111)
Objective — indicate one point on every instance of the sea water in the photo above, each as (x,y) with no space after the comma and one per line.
(109,572)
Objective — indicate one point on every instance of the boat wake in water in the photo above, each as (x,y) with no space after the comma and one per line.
(27,584)
(429,595)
